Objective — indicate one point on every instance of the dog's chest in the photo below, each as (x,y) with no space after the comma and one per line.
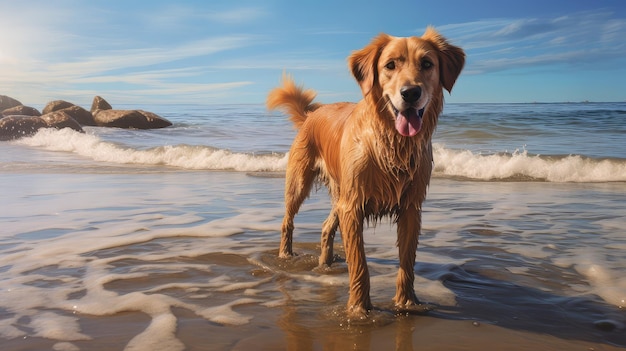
(395,184)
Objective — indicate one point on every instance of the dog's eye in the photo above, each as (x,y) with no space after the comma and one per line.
(427,64)
(391,65)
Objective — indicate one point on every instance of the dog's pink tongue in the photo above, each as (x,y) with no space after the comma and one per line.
(408,122)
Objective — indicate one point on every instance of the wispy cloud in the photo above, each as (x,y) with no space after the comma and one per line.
(181,15)
(55,54)
(237,15)
(143,57)
(150,94)
(585,38)
(280,62)
(135,66)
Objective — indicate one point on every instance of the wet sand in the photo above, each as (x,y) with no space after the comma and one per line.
(489,314)
(292,328)
(187,261)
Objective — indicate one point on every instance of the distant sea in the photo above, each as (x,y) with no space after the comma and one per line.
(166,239)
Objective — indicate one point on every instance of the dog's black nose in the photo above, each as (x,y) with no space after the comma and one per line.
(411,93)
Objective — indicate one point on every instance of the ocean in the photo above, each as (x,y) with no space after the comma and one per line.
(166,239)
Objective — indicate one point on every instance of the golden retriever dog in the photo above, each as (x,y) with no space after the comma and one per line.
(374,156)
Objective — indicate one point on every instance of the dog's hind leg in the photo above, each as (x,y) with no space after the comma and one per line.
(328,237)
(299,180)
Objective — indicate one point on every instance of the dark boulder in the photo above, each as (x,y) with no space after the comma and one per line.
(100,104)
(7,102)
(56,105)
(21,110)
(136,119)
(105,116)
(60,120)
(155,120)
(15,127)
(82,116)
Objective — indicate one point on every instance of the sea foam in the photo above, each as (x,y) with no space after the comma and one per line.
(520,165)
(451,163)
(181,156)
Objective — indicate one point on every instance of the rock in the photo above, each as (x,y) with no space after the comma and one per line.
(82,116)
(15,127)
(115,118)
(21,110)
(60,120)
(8,102)
(62,114)
(56,105)
(155,120)
(137,119)
(100,104)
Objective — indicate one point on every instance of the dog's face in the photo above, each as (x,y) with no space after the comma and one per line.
(406,74)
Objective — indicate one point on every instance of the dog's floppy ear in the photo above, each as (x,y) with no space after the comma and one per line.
(452,58)
(363,63)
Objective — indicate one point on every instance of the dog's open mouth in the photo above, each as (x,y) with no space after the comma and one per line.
(409,121)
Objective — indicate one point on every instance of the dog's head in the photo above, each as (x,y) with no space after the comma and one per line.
(404,75)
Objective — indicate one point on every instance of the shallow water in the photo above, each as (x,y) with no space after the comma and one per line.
(111,240)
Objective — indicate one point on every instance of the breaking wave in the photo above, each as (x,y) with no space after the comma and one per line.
(181,156)
(449,163)
(520,166)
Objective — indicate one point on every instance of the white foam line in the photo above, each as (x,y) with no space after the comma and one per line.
(573,168)
(448,162)
(183,156)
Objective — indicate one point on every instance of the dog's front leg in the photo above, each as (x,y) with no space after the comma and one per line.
(409,223)
(351,226)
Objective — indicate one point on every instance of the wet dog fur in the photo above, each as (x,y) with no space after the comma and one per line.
(374,156)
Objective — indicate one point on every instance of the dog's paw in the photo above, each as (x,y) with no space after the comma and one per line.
(286,254)
(412,306)
(403,300)
(357,313)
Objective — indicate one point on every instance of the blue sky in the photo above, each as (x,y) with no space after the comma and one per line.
(212,52)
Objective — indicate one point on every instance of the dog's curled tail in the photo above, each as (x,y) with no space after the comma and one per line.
(293,100)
